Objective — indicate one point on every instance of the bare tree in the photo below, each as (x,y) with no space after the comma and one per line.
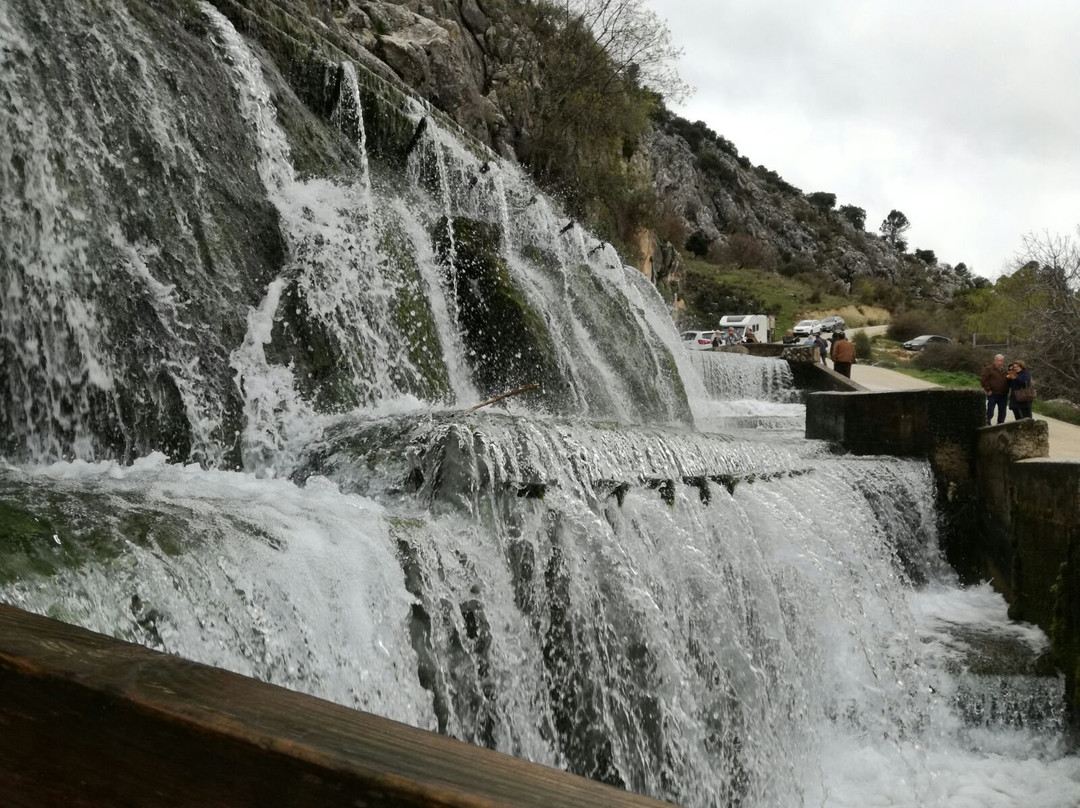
(587,80)
(635,39)
(1050,263)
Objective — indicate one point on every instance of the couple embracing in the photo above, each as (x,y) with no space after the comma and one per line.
(1010,385)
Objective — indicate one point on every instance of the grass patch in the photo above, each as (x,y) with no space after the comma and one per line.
(1060,410)
(944,378)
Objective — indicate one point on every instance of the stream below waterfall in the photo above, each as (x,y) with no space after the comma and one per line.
(715,619)
(242,327)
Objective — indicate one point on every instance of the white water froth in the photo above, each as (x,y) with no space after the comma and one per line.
(764,648)
(770,632)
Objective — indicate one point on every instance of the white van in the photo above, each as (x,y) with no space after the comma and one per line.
(759,324)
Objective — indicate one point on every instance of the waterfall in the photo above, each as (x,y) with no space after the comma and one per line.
(248,292)
(723,638)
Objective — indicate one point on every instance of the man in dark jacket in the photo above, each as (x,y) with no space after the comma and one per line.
(994,381)
(843,354)
(822,347)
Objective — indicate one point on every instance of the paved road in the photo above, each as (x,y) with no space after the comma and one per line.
(878,379)
(1064,438)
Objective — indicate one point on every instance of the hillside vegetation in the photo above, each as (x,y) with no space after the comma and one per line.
(710,291)
(576,91)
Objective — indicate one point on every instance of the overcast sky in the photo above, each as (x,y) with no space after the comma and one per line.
(963,114)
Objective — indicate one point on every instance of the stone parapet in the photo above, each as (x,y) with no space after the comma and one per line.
(772,349)
(909,423)
(997,450)
(801,353)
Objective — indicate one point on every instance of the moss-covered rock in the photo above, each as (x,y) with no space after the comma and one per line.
(413,317)
(46,528)
(310,57)
(507,341)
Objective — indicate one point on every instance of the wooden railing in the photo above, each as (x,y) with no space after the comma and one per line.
(86,720)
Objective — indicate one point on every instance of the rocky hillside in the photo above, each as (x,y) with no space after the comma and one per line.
(482,63)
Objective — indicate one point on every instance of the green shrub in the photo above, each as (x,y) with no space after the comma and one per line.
(698,244)
(863,348)
(878,292)
(956,356)
(822,199)
(856,216)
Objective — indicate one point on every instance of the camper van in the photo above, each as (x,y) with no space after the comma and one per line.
(759,324)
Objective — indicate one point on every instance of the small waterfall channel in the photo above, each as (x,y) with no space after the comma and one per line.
(240,335)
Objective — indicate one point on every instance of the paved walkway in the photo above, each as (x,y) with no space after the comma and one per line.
(1064,438)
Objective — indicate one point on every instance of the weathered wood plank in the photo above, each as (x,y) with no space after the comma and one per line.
(86,720)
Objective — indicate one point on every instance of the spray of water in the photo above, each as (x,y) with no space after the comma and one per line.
(709,617)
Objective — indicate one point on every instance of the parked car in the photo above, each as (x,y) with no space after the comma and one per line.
(697,340)
(807,328)
(918,343)
(833,322)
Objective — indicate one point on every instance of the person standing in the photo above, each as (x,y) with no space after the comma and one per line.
(996,385)
(822,347)
(843,354)
(1019,378)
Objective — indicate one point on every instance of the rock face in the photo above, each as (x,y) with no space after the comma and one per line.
(453,54)
(749,215)
(471,61)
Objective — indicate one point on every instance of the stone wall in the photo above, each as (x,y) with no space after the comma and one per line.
(1006,514)
(1045,532)
(912,423)
(940,425)
(997,450)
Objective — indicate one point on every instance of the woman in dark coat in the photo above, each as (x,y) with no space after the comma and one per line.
(1019,377)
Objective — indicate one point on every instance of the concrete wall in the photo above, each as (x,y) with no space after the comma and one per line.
(1045,530)
(940,425)
(998,449)
(910,423)
(1006,514)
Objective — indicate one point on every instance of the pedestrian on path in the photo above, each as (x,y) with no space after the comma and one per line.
(996,385)
(843,354)
(1019,378)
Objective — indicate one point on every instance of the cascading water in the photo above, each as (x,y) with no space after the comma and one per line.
(232,407)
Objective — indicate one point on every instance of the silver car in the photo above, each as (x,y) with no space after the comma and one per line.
(833,322)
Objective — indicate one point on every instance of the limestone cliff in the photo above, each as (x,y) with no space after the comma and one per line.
(471,60)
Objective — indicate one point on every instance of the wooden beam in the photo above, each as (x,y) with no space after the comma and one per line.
(86,720)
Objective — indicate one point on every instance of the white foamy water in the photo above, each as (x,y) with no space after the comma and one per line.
(718,616)
(764,647)
(295,587)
